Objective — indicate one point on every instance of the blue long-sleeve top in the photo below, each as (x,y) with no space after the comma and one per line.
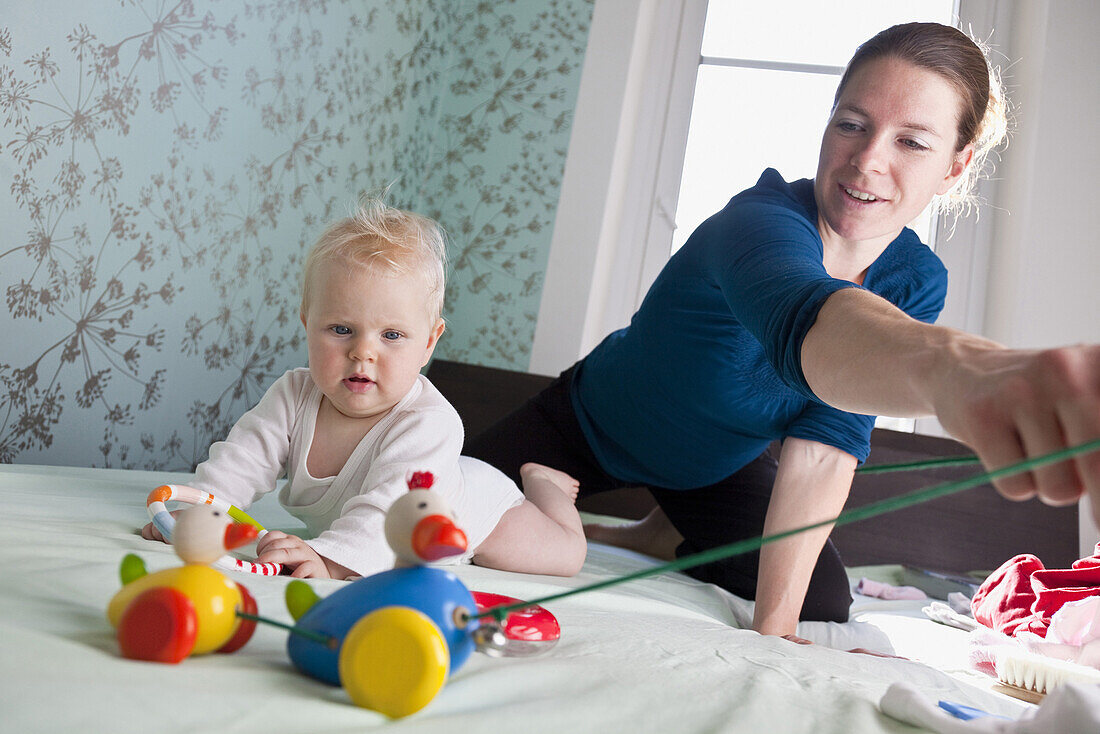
(709,372)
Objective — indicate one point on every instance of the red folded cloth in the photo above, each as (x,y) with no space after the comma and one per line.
(1023,595)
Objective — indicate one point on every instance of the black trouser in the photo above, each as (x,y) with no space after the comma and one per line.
(545,430)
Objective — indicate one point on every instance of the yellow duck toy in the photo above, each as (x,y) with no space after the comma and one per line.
(192,609)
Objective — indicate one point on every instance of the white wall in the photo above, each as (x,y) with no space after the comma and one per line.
(1044,289)
(1044,285)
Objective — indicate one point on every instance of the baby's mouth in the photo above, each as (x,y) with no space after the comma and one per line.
(358,383)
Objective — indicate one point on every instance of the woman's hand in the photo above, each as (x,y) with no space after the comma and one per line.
(796,639)
(858,650)
(1009,405)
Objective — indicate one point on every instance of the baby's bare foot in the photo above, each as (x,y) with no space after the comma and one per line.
(567,484)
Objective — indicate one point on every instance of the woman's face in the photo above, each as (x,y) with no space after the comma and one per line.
(888,149)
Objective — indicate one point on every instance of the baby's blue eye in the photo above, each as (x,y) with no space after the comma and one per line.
(391,335)
(341,330)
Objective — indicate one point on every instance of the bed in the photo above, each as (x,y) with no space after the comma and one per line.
(662,654)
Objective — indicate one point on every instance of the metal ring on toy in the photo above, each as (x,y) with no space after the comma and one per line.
(164,522)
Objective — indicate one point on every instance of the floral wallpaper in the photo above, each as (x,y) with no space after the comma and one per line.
(165,164)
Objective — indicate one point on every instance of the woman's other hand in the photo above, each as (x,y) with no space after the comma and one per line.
(858,650)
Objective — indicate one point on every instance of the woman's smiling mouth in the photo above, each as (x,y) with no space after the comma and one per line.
(859,195)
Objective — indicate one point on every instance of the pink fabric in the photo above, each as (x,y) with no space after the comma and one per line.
(880,590)
(1073,634)
(1023,596)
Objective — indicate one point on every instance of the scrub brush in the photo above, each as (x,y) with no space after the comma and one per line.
(1030,676)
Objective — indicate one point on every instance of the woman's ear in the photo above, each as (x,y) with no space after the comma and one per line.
(959,165)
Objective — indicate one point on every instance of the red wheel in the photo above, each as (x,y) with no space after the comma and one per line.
(530,624)
(246,626)
(160,625)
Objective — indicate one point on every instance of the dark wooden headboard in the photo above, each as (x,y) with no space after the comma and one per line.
(975,530)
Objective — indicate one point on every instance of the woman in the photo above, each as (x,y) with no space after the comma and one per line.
(789,315)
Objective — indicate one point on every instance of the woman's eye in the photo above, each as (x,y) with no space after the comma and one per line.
(341,330)
(848,127)
(913,144)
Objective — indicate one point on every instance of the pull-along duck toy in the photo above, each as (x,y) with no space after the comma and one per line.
(391,639)
(191,609)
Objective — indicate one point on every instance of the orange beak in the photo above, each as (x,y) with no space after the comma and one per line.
(238,534)
(436,536)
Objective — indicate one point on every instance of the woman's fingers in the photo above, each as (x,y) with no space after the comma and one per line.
(1079,416)
(1039,427)
(797,640)
(1030,404)
(1058,408)
(865,651)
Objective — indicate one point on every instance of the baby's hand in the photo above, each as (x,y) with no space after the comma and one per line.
(150,532)
(292,552)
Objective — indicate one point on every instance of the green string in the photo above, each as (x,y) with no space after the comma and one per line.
(326,640)
(915,465)
(848,516)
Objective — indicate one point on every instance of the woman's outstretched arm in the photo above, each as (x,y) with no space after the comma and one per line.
(864,355)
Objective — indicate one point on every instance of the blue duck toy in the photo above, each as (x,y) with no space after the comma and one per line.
(392,638)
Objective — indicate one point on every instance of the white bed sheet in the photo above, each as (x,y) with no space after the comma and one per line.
(662,654)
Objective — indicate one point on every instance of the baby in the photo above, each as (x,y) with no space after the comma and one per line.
(349,429)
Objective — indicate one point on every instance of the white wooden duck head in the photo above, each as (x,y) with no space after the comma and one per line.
(203,534)
(420,528)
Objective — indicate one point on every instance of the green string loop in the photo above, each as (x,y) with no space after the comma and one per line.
(848,516)
(915,465)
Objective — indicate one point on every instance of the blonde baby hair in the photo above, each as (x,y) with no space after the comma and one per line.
(383,238)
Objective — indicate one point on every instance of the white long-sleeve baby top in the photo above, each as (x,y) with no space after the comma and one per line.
(344,514)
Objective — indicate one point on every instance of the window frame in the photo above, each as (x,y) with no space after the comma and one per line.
(622,173)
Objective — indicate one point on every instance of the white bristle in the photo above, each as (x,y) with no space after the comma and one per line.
(1040,673)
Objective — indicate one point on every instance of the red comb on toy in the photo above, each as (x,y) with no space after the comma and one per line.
(421,480)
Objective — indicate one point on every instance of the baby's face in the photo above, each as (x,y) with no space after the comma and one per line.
(368,333)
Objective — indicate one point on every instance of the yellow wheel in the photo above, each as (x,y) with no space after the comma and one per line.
(394,661)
